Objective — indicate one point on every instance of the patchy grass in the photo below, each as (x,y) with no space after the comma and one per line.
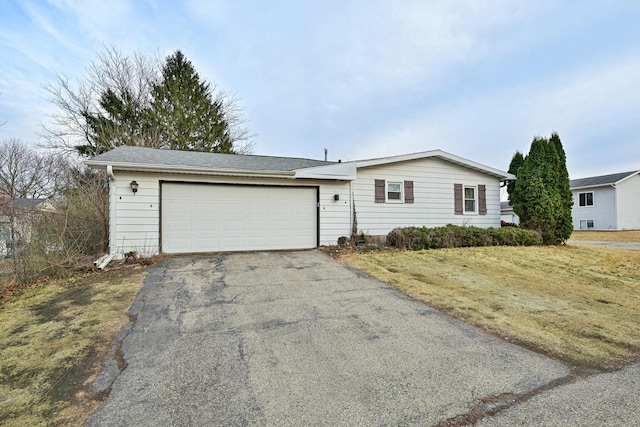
(578,304)
(53,337)
(607,236)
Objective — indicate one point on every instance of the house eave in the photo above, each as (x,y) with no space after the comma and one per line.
(586,187)
(190,170)
(437,154)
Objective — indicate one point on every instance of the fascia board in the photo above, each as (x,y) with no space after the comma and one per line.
(336,171)
(586,187)
(137,167)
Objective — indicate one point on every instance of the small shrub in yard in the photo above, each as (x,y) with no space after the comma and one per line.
(453,236)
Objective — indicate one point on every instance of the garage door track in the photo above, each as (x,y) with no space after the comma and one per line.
(298,339)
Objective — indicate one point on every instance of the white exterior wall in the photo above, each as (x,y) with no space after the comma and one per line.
(603,211)
(135,219)
(628,203)
(433,206)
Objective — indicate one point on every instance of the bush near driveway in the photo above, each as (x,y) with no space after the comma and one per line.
(453,236)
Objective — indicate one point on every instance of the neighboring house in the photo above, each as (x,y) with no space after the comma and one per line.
(20,210)
(164,201)
(608,202)
(507,214)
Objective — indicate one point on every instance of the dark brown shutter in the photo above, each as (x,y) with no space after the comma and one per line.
(380,191)
(408,191)
(482,199)
(457,199)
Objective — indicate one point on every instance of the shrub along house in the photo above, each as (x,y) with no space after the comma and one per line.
(164,201)
(607,202)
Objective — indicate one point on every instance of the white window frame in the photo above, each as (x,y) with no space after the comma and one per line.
(475,199)
(586,223)
(586,202)
(386,191)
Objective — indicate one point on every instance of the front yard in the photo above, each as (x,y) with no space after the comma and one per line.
(577,304)
(54,335)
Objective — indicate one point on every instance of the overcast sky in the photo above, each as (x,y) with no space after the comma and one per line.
(364,79)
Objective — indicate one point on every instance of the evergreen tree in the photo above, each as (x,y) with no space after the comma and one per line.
(565,226)
(540,193)
(516,162)
(183,108)
(124,120)
(134,100)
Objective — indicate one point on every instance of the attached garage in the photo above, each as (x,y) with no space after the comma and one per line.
(176,202)
(199,217)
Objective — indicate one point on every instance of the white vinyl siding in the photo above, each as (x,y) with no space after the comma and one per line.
(603,211)
(433,183)
(135,224)
(628,203)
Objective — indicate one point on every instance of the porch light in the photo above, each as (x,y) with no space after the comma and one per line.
(134,187)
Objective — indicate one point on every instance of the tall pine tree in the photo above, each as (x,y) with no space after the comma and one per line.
(185,111)
(516,162)
(565,226)
(541,195)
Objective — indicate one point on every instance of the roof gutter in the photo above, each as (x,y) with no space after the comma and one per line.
(138,167)
(584,187)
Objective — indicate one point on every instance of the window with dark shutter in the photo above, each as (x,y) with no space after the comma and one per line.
(482,199)
(380,197)
(408,191)
(457,199)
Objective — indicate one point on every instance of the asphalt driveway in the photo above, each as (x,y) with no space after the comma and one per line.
(298,339)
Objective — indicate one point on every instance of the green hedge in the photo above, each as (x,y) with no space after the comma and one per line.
(454,236)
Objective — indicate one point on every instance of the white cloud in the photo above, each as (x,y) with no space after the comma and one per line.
(582,105)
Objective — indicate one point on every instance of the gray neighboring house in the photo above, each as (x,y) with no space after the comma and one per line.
(607,202)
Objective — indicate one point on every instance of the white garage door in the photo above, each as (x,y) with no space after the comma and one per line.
(211,218)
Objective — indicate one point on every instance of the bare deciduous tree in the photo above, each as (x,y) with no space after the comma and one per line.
(24,172)
(25,175)
(109,106)
(128,77)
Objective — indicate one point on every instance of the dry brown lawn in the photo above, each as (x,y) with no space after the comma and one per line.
(52,340)
(607,236)
(577,304)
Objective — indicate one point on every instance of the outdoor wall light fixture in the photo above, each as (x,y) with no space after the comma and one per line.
(134,187)
(336,197)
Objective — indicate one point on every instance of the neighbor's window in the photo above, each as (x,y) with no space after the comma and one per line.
(469,199)
(586,223)
(586,199)
(394,191)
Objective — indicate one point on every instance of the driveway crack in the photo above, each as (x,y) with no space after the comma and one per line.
(492,405)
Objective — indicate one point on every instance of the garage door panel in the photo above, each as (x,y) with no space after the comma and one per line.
(208,218)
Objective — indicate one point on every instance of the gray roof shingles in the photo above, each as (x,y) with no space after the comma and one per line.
(595,181)
(214,161)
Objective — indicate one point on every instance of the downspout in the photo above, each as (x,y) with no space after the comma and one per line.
(350,210)
(615,206)
(103,261)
